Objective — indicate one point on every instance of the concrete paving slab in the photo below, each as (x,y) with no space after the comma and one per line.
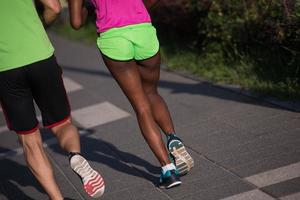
(98,114)
(246,158)
(260,166)
(71,85)
(255,144)
(276,175)
(218,192)
(283,189)
(295,196)
(250,195)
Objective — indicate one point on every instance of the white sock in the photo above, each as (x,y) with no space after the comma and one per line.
(168,167)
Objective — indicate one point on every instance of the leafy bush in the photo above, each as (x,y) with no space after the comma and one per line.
(257,40)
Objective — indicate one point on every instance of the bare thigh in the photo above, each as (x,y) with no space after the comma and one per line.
(150,73)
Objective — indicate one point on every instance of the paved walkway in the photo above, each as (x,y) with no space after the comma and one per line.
(243,148)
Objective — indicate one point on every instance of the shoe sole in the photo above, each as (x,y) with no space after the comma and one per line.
(177,183)
(93,183)
(184,162)
(95,186)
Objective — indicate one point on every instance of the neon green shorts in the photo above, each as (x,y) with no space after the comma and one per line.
(138,41)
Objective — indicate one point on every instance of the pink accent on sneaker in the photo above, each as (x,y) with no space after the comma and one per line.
(93,182)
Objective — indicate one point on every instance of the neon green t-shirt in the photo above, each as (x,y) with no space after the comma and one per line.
(23,39)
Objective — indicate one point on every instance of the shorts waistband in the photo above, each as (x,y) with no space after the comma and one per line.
(147,24)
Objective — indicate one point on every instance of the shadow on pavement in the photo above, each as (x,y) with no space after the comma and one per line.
(98,150)
(12,175)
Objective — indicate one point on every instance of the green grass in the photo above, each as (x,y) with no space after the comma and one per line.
(212,65)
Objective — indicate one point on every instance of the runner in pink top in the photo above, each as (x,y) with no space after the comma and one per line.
(130,49)
(119,13)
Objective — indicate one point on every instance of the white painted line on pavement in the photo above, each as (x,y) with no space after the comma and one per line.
(250,195)
(275,176)
(98,114)
(71,86)
(295,196)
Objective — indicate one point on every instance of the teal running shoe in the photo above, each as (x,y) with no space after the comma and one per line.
(182,159)
(170,179)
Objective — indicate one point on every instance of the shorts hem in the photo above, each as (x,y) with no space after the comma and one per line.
(28,132)
(58,123)
(117,59)
(148,57)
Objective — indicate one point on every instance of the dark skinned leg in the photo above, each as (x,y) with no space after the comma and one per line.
(128,77)
(150,73)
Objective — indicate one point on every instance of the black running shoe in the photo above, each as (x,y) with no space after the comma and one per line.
(182,159)
(169,179)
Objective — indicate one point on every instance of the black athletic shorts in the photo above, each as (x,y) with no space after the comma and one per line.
(41,82)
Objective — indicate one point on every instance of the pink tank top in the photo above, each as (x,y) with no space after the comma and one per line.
(118,13)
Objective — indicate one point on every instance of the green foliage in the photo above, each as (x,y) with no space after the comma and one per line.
(86,34)
(255,44)
(252,43)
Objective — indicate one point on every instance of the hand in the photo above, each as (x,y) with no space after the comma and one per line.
(51,10)
(78,13)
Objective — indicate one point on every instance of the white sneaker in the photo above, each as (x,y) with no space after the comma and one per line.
(92,181)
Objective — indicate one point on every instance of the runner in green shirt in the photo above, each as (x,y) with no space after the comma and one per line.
(23,39)
(29,71)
